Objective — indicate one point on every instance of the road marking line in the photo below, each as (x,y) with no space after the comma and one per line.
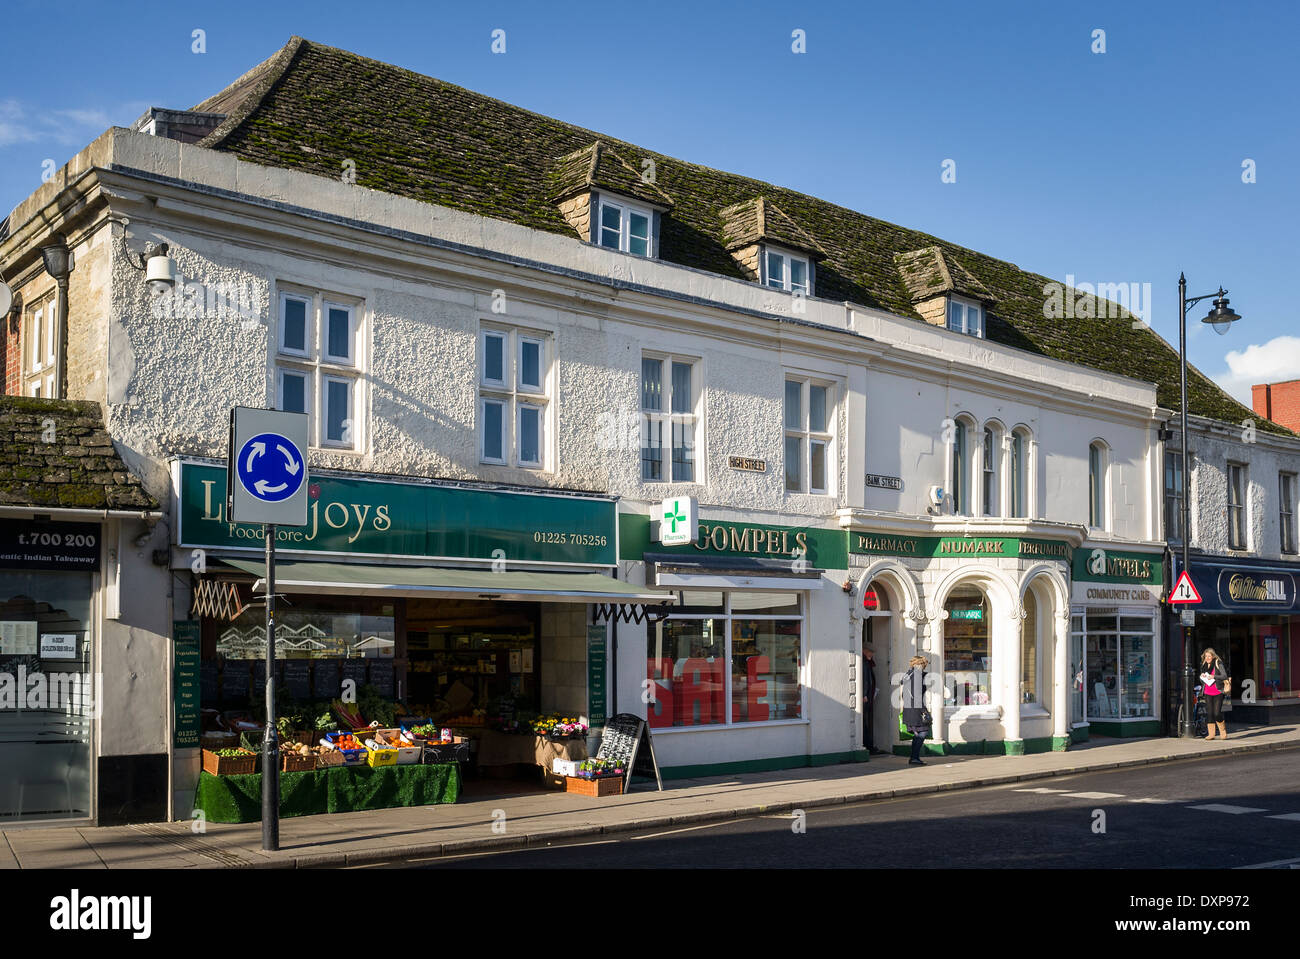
(707,825)
(1292,816)
(1275,864)
(1224,807)
(1039,789)
(1095,795)
(1160,801)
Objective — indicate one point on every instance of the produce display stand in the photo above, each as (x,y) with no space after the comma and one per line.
(234,799)
(597,786)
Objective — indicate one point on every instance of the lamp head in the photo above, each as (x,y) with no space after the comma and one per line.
(57,258)
(1222,316)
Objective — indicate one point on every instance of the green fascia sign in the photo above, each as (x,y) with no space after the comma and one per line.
(363,517)
(973,547)
(823,548)
(1101,565)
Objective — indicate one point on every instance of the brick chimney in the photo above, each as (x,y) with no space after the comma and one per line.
(1279,402)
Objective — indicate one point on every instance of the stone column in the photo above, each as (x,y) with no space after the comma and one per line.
(1061,680)
(1008,650)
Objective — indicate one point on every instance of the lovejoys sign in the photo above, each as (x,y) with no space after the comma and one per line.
(381,518)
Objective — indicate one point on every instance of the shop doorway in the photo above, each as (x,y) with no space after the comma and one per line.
(876,683)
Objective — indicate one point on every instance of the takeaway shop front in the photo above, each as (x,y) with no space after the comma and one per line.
(1114,658)
(1249,613)
(484,610)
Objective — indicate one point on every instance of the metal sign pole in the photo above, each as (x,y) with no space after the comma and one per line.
(271,746)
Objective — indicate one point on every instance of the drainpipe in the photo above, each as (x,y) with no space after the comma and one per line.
(58,262)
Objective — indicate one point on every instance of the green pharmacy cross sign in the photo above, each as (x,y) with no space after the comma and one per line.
(680,521)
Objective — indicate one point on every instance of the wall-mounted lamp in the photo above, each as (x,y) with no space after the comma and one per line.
(158,268)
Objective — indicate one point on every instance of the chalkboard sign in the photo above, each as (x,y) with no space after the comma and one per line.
(297,678)
(208,689)
(381,676)
(626,739)
(259,677)
(234,680)
(325,679)
(355,670)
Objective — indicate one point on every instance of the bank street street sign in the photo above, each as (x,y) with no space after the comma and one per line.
(267,470)
(679,521)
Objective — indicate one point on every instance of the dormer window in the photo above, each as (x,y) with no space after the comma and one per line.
(786,272)
(625,227)
(965,316)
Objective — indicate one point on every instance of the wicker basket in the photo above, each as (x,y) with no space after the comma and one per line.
(229,765)
(293,763)
(604,786)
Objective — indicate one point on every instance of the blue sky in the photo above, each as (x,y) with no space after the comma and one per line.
(1116,167)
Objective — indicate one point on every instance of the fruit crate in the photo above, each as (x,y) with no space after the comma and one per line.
(381,757)
(351,757)
(602,786)
(456,751)
(293,763)
(407,753)
(229,765)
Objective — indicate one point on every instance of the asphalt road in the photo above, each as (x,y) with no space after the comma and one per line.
(1217,813)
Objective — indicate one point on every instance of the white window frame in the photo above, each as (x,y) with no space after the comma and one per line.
(1021,478)
(807,436)
(961,466)
(787,280)
(515,396)
(991,468)
(1242,490)
(1286,491)
(1168,497)
(320,369)
(37,355)
(968,308)
(626,210)
(1099,488)
(667,419)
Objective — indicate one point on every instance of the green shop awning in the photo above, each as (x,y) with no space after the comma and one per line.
(292,576)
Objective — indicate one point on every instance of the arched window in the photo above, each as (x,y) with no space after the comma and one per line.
(990,471)
(1097,493)
(1029,691)
(1019,502)
(961,468)
(967,655)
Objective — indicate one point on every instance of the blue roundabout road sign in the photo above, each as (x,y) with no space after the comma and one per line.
(270,467)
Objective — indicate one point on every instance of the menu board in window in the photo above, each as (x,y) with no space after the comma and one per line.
(208,677)
(325,679)
(234,680)
(297,678)
(355,670)
(381,676)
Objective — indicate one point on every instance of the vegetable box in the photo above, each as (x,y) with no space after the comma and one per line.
(229,765)
(351,756)
(604,786)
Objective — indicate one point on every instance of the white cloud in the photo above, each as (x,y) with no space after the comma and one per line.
(23,123)
(1271,362)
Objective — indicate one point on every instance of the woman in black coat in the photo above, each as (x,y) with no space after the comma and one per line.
(915,716)
(1212,676)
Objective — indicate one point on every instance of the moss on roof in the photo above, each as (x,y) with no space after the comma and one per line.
(312,106)
(56,454)
(926,274)
(597,167)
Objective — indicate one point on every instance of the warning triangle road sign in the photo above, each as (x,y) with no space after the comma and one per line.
(1184,591)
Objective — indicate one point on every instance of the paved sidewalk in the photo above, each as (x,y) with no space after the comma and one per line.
(536,818)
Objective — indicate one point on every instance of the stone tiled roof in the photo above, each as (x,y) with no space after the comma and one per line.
(760,221)
(597,167)
(78,468)
(927,273)
(310,107)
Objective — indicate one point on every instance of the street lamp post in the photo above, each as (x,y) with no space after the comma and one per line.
(1221,318)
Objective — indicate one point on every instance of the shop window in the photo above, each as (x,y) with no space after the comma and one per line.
(1236,506)
(809,435)
(1019,501)
(1286,510)
(967,660)
(727,658)
(1078,674)
(45,630)
(1029,646)
(670,400)
(514,397)
(1098,481)
(318,368)
(1119,666)
(1174,496)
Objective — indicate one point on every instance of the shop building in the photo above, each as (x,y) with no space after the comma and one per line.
(582,341)
(83,721)
(1245,480)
